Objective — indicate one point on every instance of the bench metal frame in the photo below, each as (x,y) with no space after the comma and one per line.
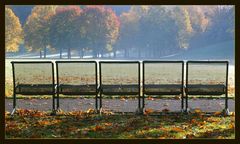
(98,74)
(33,93)
(201,93)
(164,93)
(129,93)
(81,93)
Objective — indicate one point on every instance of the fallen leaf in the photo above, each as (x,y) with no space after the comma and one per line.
(148,111)
(197,110)
(193,121)
(177,97)
(232,114)
(44,122)
(150,98)
(90,111)
(108,124)
(217,113)
(177,129)
(165,110)
(231,126)
(98,128)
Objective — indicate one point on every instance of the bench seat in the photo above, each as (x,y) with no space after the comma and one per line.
(161,89)
(35,89)
(120,89)
(78,89)
(198,89)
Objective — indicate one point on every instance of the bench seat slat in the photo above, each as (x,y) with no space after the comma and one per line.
(120,89)
(35,89)
(199,89)
(78,89)
(162,89)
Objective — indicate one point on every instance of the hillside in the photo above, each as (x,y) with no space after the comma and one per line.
(220,51)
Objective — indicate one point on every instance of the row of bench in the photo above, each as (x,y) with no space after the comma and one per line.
(101,78)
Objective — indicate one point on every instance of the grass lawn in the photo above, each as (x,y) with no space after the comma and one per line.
(36,124)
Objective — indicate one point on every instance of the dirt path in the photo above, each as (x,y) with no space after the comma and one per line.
(128,105)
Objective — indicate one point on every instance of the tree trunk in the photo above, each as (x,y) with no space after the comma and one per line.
(69,53)
(45,52)
(60,53)
(114,54)
(79,53)
(40,54)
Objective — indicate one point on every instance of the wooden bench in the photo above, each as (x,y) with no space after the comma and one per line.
(27,77)
(81,86)
(204,87)
(172,87)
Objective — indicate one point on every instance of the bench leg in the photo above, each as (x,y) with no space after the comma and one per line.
(143,103)
(96,102)
(182,105)
(139,110)
(226,110)
(57,101)
(100,102)
(186,109)
(14,104)
(53,106)
(13,111)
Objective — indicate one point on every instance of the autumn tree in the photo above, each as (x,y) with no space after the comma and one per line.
(64,30)
(101,28)
(184,24)
(36,28)
(13,31)
(129,31)
(221,24)
(211,24)
(154,31)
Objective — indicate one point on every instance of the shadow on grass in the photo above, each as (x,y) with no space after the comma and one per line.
(83,125)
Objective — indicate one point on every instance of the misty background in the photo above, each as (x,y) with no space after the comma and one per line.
(120,32)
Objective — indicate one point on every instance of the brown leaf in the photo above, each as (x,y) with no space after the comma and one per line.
(177,129)
(108,124)
(122,99)
(177,97)
(44,122)
(197,110)
(217,113)
(165,110)
(193,121)
(98,128)
(90,111)
(150,98)
(231,126)
(148,111)
(232,113)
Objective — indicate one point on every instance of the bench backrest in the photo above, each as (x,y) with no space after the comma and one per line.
(119,72)
(77,73)
(163,72)
(207,72)
(34,73)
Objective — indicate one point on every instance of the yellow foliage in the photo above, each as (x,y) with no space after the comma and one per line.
(13,31)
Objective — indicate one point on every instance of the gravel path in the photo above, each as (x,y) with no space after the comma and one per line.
(127,105)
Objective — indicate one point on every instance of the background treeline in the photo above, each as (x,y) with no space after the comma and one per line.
(134,31)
